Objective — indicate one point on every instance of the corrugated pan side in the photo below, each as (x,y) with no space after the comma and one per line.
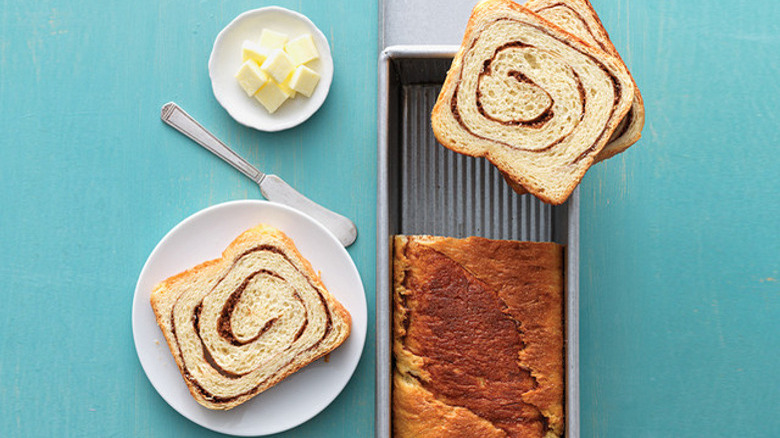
(424,188)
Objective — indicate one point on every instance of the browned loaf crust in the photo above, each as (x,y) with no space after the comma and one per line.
(574,97)
(240,324)
(478,338)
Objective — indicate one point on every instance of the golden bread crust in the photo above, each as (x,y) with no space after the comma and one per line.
(417,413)
(478,337)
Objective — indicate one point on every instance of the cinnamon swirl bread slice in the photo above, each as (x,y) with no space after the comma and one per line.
(239,324)
(536,101)
(580,19)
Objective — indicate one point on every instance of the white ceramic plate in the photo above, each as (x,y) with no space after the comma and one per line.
(226,59)
(203,236)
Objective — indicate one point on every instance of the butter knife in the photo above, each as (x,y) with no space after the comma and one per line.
(272,187)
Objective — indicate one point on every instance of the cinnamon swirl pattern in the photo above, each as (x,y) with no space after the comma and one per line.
(537,102)
(580,19)
(240,324)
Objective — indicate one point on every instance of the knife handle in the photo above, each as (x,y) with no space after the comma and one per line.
(275,189)
(271,186)
(176,117)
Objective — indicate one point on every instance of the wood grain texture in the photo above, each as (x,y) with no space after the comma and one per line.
(680,274)
(92,179)
(680,285)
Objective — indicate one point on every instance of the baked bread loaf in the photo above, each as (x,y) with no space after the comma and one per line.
(536,101)
(478,338)
(239,324)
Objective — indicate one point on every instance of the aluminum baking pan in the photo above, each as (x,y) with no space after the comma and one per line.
(424,188)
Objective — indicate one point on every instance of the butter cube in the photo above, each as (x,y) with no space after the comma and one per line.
(253,51)
(251,78)
(271,97)
(304,80)
(285,87)
(272,40)
(278,65)
(302,49)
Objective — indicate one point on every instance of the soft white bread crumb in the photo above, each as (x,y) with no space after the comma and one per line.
(580,19)
(534,100)
(239,324)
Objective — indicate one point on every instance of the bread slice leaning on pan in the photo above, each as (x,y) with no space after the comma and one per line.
(240,324)
(534,100)
(580,19)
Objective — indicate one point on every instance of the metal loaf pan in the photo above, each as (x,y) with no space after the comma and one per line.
(424,188)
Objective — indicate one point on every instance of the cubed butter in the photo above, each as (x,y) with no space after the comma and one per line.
(250,77)
(278,65)
(272,40)
(286,88)
(304,80)
(302,49)
(271,97)
(255,52)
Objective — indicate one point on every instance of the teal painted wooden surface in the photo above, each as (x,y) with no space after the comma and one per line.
(680,279)
(680,283)
(92,179)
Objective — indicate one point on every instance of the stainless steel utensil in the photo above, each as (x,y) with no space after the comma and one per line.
(272,187)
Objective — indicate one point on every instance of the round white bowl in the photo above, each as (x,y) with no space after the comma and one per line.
(225,61)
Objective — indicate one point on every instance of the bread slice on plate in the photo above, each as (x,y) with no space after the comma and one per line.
(240,324)
(536,101)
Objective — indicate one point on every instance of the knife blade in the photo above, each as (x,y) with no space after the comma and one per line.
(272,187)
